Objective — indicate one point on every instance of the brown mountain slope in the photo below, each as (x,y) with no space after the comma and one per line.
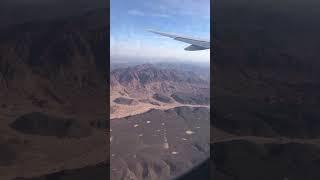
(52,83)
(149,79)
(148,86)
(55,61)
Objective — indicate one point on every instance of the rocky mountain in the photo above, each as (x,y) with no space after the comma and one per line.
(266,68)
(265,85)
(150,79)
(54,61)
(53,76)
(240,159)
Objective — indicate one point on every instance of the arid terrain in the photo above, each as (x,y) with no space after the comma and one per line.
(159,122)
(137,89)
(266,117)
(52,85)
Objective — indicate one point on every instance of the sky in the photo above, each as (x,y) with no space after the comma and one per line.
(130,20)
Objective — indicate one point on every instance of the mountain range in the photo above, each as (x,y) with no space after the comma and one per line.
(150,79)
(54,61)
(53,76)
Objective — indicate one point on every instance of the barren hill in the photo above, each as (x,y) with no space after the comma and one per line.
(52,85)
(153,86)
(151,79)
(52,63)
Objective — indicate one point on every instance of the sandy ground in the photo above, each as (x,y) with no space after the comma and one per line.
(160,142)
(141,107)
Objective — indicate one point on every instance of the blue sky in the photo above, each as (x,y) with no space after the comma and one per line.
(129,20)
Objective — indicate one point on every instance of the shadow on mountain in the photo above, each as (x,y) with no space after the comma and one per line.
(57,63)
(101,124)
(7,155)
(191,98)
(244,160)
(162,98)
(45,125)
(125,101)
(201,171)
(149,102)
(97,172)
(266,68)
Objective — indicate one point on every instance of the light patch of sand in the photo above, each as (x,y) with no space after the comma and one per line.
(166,145)
(189,132)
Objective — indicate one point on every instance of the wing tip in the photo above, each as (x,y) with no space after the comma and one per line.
(151,30)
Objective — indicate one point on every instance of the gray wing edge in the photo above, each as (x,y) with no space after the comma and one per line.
(196,44)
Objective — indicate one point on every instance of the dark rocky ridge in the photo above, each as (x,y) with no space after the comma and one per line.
(266,84)
(244,160)
(8,155)
(45,125)
(150,102)
(125,101)
(266,81)
(148,73)
(57,60)
(159,83)
(59,67)
(162,98)
(191,98)
(101,124)
(202,70)
(97,172)
(253,117)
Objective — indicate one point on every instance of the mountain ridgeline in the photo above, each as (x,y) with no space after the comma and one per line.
(158,82)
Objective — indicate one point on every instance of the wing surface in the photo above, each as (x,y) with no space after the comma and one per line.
(196,44)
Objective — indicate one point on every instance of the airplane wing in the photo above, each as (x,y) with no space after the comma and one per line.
(196,44)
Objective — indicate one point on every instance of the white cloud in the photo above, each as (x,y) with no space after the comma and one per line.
(161,15)
(136,12)
(199,8)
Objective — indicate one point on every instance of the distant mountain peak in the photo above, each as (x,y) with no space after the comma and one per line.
(144,66)
(148,73)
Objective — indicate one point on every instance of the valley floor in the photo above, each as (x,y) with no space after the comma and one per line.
(121,110)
